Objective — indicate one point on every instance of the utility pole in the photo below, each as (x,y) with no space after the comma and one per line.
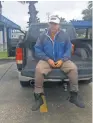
(48,15)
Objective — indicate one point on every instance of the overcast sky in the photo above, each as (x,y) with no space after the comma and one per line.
(18,12)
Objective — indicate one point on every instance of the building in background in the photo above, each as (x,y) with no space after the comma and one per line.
(6,31)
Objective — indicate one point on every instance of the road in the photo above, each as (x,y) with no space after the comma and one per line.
(16,102)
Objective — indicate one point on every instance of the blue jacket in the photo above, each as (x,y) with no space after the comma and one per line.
(59,49)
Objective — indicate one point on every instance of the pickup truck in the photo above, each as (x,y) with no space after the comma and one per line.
(26,60)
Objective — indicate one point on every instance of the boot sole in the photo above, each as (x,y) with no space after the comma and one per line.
(76,104)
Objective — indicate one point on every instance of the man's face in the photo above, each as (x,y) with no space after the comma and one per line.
(54,27)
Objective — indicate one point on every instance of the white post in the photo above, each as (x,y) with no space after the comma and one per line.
(5,39)
(1,41)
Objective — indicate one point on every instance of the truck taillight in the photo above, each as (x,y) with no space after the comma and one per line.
(19,55)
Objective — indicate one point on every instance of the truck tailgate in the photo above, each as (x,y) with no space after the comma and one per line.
(84,70)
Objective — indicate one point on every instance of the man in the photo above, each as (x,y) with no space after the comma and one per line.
(55,52)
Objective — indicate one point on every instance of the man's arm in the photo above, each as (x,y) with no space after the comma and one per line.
(39,53)
(68,49)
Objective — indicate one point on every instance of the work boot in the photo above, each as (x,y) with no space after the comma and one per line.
(38,101)
(75,100)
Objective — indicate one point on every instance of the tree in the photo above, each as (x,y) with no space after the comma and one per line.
(62,20)
(32,12)
(90,5)
(87,13)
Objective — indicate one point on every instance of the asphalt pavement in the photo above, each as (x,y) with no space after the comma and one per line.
(16,102)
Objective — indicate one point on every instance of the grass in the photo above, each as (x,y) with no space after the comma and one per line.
(4,55)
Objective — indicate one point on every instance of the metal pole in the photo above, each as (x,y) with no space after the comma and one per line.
(0,7)
(48,15)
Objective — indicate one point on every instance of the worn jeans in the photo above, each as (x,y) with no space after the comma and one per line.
(44,68)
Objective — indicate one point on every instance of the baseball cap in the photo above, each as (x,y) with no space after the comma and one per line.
(54,19)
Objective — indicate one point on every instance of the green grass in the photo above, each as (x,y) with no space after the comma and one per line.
(4,55)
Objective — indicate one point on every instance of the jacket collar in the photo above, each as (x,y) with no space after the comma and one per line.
(48,32)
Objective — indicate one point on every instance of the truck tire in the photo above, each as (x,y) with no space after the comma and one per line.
(25,83)
(9,53)
(88,81)
(85,81)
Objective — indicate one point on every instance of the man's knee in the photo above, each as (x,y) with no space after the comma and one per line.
(38,69)
(73,67)
(69,66)
(39,66)
(43,68)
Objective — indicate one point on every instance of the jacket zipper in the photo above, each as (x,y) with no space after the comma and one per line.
(53,44)
(53,48)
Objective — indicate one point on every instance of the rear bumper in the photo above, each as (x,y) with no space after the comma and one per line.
(25,78)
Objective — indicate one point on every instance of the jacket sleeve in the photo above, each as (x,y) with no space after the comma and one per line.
(39,53)
(68,49)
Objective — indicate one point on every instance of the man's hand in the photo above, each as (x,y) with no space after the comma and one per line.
(58,63)
(51,63)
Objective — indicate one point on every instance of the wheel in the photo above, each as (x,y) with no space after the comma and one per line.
(85,81)
(32,83)
(25,83)
(9,53)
